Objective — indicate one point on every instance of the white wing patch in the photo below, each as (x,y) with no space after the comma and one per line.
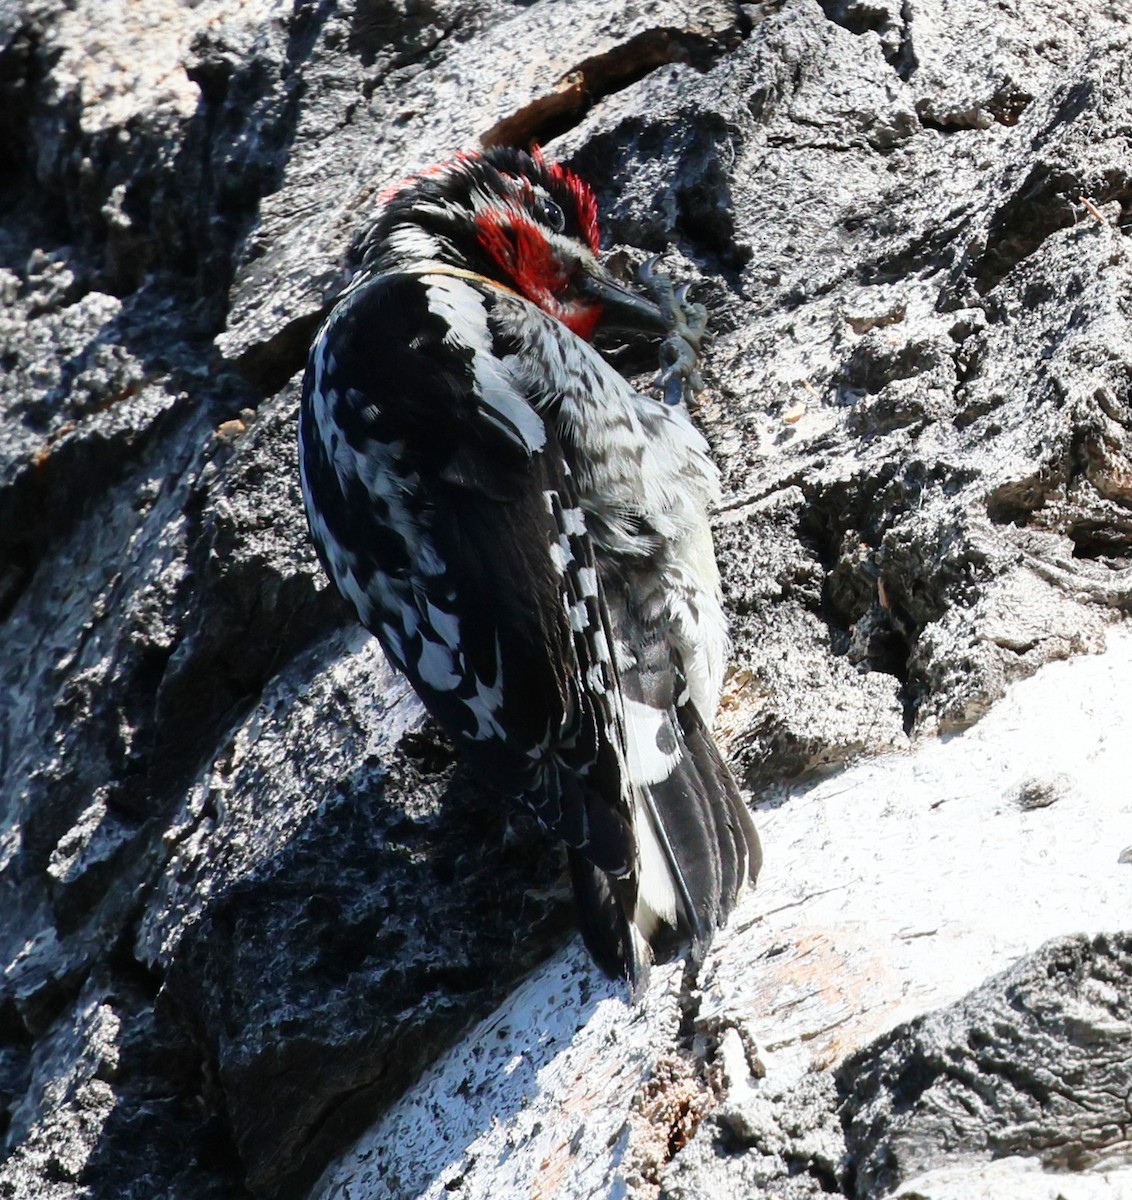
(462,308)
(561,555)
(578,616)
(436,667)
(656,897)
(648,734)
(484,705)
(587,581)
(573,522)
(445,624)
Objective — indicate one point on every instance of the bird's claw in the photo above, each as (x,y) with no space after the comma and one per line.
(679,378)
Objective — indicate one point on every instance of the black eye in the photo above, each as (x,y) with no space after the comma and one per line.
(553,215)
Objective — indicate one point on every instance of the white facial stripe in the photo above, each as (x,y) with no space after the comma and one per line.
(413,244)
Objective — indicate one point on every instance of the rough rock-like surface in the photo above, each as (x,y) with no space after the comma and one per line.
(248,897)
(806,1063)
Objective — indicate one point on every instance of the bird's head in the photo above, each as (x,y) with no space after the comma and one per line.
(520,220)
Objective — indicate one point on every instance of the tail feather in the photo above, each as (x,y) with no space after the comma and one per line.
(605,908)
(687,831)
(709,849)
(692,849)
(733,818)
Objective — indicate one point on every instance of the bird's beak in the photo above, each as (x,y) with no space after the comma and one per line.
(621,308)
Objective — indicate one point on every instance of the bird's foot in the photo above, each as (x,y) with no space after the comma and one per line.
(679,378)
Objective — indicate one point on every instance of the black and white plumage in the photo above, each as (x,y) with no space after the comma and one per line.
(528,537)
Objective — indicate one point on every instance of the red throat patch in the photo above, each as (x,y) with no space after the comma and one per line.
(520,247)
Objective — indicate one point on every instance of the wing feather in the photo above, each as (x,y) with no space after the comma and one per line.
(437,473)
(481,584)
